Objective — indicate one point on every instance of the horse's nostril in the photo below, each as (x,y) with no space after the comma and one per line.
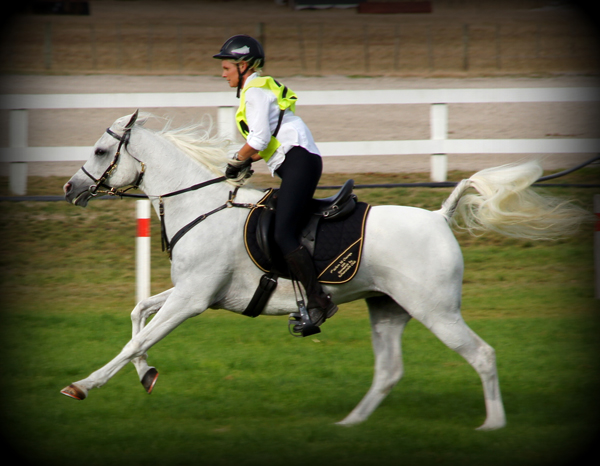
(67,188)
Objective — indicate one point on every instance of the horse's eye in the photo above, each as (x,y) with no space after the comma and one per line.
(100,151)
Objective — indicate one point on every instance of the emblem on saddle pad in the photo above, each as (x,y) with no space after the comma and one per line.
(334,236)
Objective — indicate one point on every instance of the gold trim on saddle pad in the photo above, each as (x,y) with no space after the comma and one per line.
(333,267)
(345,266)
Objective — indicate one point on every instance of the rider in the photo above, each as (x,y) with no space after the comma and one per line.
(274,133)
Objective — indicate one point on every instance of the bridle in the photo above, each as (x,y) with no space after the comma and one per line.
(100,182)
(167,245)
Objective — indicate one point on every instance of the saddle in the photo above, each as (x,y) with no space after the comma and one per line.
(333,234)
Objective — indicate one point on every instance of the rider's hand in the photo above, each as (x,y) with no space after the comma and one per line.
(235,166)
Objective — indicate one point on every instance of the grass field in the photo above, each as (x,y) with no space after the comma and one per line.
(242,391)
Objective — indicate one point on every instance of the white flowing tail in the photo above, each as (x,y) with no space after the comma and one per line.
(506,203)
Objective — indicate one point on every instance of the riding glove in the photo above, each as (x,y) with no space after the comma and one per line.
(236,166)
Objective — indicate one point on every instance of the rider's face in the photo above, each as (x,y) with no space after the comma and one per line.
(230,72)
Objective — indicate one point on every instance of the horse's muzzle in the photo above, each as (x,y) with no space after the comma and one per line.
(80,198)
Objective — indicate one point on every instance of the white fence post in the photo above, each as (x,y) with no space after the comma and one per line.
(18,123)
(226,122)
(439,132)
(597,243)
(142,250)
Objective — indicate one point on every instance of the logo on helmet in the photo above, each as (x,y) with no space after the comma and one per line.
(242,50)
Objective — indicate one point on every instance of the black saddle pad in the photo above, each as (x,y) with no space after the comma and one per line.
(337,252)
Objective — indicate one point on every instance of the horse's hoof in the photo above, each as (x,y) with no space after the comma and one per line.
(492,426)
(349,421)
(74,392)
(149,379)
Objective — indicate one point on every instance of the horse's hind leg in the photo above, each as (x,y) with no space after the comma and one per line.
(456,334)
(139,316)
(388,321)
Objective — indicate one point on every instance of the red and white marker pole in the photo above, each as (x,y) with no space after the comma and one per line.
(597,243)
(142,250)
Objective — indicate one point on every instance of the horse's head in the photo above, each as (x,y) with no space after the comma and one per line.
(110,166)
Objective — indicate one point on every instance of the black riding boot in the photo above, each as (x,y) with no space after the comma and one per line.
(319,305)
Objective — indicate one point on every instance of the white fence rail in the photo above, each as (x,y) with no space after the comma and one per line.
(438,146)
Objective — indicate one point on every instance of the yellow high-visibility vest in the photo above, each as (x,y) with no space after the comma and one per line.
(285,99)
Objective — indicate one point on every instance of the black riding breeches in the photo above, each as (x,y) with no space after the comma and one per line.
(300,174)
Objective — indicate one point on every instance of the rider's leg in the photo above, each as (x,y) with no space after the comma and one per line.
(319,304)
(300,174)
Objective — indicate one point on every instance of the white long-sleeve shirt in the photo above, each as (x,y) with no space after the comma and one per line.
(262,115)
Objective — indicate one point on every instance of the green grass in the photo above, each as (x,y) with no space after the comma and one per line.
(241,391)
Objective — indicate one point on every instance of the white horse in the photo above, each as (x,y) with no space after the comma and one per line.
(412,266)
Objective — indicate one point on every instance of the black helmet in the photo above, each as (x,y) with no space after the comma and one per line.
(243,47)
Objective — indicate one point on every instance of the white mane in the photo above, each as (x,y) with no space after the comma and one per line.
(200,143)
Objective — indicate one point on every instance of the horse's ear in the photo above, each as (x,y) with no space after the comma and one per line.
(133,119)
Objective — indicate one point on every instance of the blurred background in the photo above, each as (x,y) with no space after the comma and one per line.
(236,391)
(108,46)
(312,37)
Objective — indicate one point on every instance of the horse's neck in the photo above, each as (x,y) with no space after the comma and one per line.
(167,168)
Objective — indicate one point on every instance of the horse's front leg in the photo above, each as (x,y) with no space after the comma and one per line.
(139,316)
(177,308)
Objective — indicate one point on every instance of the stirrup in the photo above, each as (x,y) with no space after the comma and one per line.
(306,327)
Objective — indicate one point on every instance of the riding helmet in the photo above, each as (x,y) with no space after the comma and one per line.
(243,47)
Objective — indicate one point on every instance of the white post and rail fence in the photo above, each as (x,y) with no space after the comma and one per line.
(437,147)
